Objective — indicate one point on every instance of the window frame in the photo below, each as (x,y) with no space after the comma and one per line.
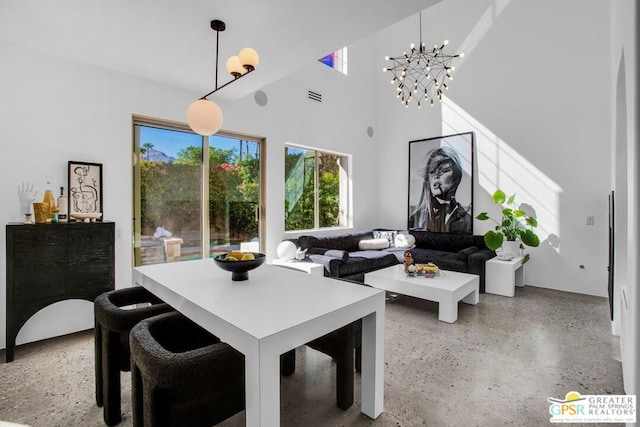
(345,185)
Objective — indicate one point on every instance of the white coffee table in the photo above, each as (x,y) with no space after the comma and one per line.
(446,289)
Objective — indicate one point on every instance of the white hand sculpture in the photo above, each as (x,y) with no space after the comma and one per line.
(26,196)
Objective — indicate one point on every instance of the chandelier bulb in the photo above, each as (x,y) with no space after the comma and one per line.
(384,70)
(386,58)
(446,42)
(249,58)
(234,68)
(461,55)
(412,46)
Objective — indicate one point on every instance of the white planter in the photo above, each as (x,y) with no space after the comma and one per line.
(509,250)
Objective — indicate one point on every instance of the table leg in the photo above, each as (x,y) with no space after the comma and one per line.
(519,276)
(373,361)
(473,298)
(262,382)
(448,309)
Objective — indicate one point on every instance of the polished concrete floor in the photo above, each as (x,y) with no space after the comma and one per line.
(496,365)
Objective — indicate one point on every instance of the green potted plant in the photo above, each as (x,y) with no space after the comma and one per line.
(515,225)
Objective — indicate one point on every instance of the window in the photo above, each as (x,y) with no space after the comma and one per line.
(336,60)
(194,196)
(316,189)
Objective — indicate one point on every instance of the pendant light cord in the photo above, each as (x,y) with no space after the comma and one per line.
(420,31)
(217,46)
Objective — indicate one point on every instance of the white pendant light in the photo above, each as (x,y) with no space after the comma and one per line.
(204,117)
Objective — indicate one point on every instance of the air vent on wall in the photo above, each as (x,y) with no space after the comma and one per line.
(314,96)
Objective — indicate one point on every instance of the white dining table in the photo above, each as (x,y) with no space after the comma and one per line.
(274,311)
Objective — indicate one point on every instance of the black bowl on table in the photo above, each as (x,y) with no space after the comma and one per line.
(239,269)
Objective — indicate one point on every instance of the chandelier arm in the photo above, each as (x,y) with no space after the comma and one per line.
(227,83)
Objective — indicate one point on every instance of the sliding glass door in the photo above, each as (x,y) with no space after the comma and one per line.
(194,196)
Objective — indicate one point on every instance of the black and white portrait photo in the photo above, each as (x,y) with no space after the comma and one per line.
(441,184)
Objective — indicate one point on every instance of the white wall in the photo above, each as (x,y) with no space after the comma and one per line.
(527,88)
(54,110)
(626,161)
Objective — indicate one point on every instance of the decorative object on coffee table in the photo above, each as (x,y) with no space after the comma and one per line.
(515,226)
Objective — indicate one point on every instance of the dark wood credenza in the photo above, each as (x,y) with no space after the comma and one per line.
(48,263)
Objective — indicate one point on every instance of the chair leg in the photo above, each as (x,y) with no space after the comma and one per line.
(137,396)
(111,377)
(156,408)
(344,368)
(359,359)
(288,363)
(97,340)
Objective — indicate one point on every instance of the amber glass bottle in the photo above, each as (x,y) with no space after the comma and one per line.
(48,198)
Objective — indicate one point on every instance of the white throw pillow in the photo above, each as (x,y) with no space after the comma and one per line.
(372,244)
(405,241)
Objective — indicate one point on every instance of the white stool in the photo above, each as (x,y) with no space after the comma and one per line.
(503,276)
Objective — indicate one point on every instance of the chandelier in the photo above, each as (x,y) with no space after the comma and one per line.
(421,74)
(204,116)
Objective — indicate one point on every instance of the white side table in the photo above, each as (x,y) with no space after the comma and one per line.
(307,267)
(503,276)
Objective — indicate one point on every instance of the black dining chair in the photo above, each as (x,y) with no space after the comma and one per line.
(344,346)
(182,375)
(115,313)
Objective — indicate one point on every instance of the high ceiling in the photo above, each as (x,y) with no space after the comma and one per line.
(171,41)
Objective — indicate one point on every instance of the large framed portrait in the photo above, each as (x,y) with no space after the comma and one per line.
(85,187)
(441,184)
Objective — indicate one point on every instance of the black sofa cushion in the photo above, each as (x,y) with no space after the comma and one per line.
(366,261)
(445,260)
(446,241)
(345,242)
(331,253)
